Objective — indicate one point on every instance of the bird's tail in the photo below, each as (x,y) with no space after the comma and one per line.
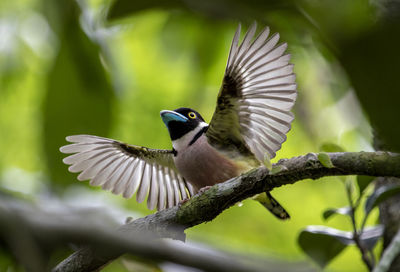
(272,205)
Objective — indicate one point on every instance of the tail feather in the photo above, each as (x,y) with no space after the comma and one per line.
(272,205)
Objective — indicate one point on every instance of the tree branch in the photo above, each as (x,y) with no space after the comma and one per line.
(30,232)
(171,223)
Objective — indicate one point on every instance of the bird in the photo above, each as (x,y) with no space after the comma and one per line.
(250,123)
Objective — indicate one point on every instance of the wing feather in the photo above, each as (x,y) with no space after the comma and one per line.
(144,184)
(234,46)
(127,175)
(170,191)
(126,169)
(244,46)
(162,198)
(154,188)
(175,185)
(182,187)
(258,91)
(116,174)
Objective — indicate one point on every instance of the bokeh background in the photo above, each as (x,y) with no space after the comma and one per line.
(70,67)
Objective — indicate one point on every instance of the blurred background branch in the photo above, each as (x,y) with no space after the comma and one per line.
(31,233)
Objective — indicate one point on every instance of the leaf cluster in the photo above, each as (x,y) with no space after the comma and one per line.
(323,244)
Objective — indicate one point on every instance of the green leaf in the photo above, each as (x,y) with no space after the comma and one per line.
(379,195)
(325,160)
(349,184)
(322,244)
(331,147)
(371,235)
(363,182)
(343,211)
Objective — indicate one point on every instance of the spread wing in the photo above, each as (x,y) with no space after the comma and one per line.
(256,96)
(125,169)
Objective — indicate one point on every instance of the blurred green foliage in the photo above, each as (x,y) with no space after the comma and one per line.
(76,83)
(65,69)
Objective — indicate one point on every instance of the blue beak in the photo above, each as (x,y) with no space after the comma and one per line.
(168,116)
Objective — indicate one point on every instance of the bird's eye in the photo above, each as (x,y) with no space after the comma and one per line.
(192,115)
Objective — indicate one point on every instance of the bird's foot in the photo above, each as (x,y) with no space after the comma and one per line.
(202,190)
(183,201)
(205,188)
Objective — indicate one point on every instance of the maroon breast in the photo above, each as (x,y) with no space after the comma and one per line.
(202,165)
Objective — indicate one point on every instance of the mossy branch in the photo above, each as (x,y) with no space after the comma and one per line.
(171,223)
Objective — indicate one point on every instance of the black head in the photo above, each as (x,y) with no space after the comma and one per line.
(181,121)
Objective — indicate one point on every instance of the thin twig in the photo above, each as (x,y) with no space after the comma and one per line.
(356,234)
(363,250)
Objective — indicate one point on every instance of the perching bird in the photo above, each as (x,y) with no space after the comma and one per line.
(249,125)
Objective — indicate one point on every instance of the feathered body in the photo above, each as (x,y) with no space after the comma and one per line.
(203,165)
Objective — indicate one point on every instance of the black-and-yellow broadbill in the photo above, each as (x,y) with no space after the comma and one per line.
(249,125)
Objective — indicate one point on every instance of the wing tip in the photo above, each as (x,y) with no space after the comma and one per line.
(65,161)
(63,148)
(74,138)
(239,28)
(82,177)
(253,26)
(72,169)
